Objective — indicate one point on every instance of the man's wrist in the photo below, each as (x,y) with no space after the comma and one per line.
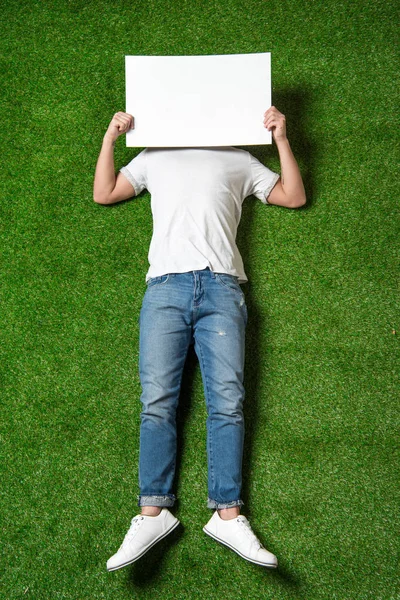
(109,140)
(281,142)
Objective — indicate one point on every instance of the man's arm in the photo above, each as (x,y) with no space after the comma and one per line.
(108,187)
(289,190)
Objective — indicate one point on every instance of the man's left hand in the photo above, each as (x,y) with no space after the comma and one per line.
(275,121)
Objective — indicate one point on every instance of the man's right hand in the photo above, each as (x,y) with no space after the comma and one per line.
(120,123)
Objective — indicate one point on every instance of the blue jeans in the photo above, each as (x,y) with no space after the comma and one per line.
(209,310)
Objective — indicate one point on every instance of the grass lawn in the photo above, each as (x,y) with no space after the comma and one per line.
(321,452)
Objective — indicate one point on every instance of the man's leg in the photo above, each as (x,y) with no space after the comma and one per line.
(219,332)
(165,335)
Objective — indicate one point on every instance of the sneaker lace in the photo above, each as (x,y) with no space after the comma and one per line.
(245,525)
(135,524)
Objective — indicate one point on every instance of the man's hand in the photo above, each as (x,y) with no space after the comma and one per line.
(120,123)
(275,121)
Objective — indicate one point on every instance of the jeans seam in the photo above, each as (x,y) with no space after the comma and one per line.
(211,423)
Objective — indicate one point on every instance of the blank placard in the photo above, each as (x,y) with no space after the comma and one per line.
(183,101)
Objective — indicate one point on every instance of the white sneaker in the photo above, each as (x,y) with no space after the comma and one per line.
(238,536)
(143,533)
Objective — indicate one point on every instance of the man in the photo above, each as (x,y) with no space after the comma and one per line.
(194,297)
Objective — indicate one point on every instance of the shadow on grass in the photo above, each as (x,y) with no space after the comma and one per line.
(282,578)
(296,104)
(146,571)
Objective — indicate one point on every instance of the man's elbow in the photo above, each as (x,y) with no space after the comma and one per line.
(297,201)
(100,198)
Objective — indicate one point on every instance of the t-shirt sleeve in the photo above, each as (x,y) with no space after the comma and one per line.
(262,180)
(136,172)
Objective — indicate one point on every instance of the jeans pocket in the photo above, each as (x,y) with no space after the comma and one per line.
(229,281)
(153,281)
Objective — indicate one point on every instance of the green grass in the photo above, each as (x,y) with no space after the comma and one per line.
(322,357)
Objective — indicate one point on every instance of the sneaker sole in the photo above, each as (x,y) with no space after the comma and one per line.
(158,539)
(269,565)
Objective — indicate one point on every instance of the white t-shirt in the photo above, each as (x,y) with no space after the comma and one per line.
(196,201)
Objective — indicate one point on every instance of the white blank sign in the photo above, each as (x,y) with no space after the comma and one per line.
(183,101)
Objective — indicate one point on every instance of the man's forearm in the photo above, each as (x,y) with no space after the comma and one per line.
(107,188)
(104,179)
(291,179)
(289,191)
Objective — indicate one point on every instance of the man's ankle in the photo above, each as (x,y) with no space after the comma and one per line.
(151,511)
(229,513)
